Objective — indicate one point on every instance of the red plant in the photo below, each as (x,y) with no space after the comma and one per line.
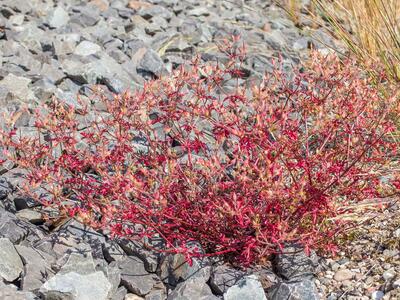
(192,157)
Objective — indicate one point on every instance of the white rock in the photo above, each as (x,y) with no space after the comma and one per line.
(58,18)
(86,48)
(79,287)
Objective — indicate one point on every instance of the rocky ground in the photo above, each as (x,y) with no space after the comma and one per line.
(64,49)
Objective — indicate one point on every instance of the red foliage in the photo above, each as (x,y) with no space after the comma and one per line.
(241,171)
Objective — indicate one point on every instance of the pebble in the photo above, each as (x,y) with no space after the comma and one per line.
(377,295)
(343,275)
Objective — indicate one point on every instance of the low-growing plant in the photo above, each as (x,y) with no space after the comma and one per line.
(197,156)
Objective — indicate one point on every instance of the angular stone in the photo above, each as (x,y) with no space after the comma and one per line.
(58,18)
(76,286)
(17,88)
(81,263)
(293,262)
(223,277)
(10,292)
(52,73)
(120,294)
(30,215)
(101,4)
(5,188)
(248,288)
(135,278)
(132,297)
(12,228)
(295,290)
(11,265)
(194,288)
(113,252)
(175,269)
(134,248)
(86,48)
(151,62)
(36,268)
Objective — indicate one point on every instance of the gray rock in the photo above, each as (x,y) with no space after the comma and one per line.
(112,272)
(81,263)
(135,278)
(17,88)
(248,288)
(12,228)
(113,252)
(30,215)
(199,11)
(151,63)
(155,10)
(51,72)
(175,268)
(58,18)
(10,292)
(11,265)
(5,188)
(194,288)
(86,48)
(76,286)
(36,268)
(158,294)
(295,290)
(134,248)
(293,263)
(223,277)
(120,293)
(44,88)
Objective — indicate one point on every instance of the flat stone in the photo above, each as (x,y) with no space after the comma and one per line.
(11,265)
(30,215)
(76,286)
(248,288)
(81,263)
(58,18)
(343,274)
(86,48)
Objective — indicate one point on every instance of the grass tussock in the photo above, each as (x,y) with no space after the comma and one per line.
(369,28)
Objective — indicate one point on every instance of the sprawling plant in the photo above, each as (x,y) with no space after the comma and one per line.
(197,156)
